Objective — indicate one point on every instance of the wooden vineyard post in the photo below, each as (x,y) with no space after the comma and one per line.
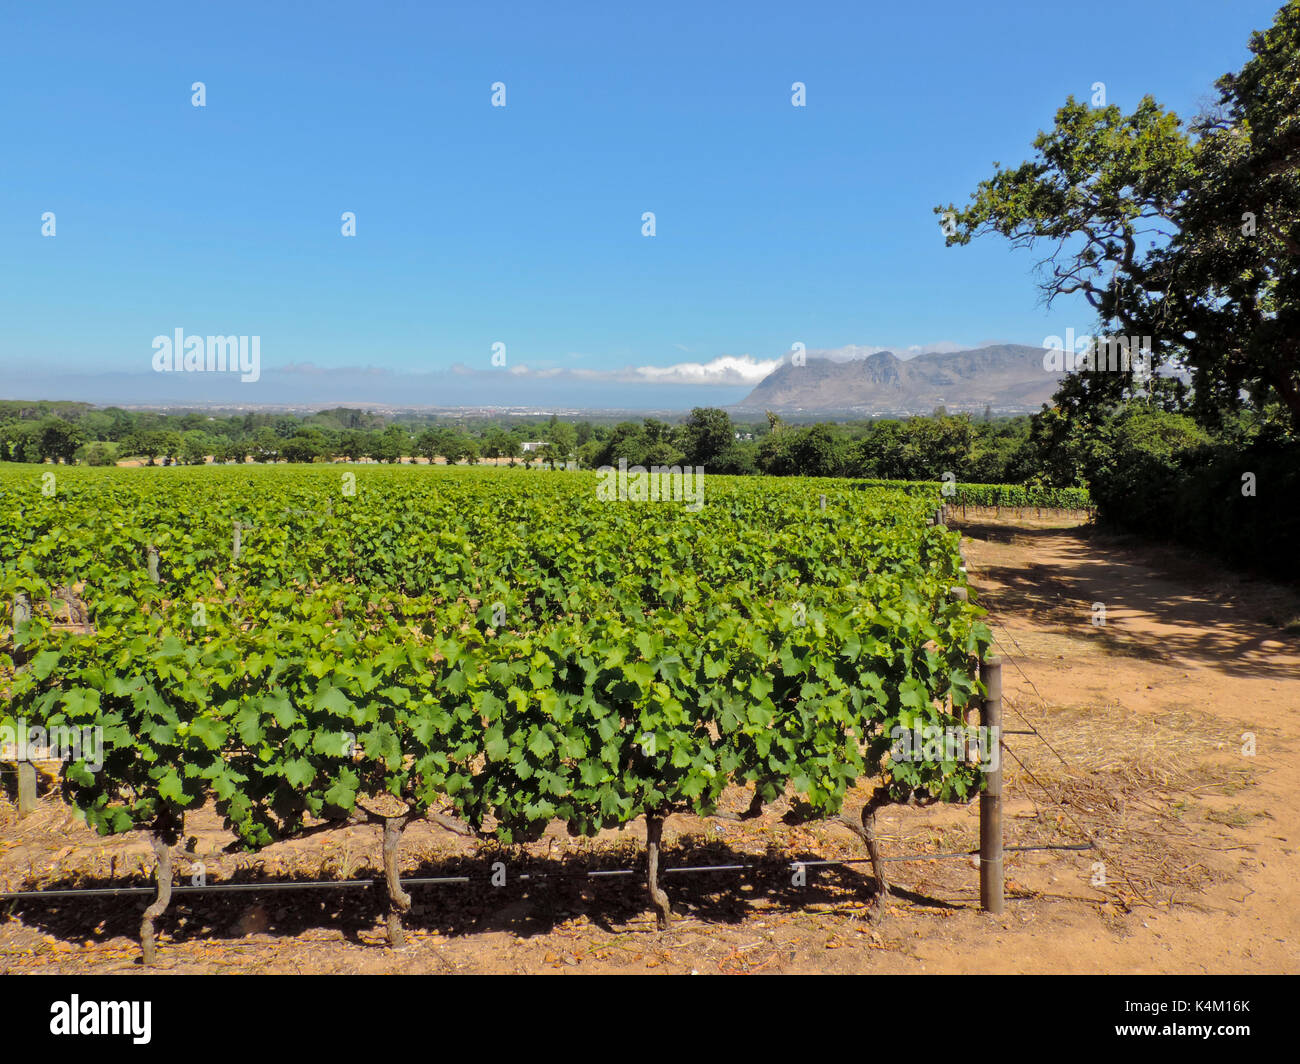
(234,549)
(153,563)
(991,872)
(23,766)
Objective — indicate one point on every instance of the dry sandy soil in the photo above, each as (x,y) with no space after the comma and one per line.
(1141,723)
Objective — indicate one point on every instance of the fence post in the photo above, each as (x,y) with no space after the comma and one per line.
(24,768)
(234,551)
(153,563)
(991,873)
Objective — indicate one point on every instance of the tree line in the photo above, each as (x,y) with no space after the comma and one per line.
(988,450)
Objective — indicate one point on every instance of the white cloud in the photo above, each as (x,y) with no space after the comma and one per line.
(727,370)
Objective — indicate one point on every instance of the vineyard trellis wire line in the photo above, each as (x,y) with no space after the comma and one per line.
(1060,803)
(1034,730)
(1031,683)
(344,884)
(1053,799)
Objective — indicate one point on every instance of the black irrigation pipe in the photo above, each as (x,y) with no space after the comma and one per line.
(345,884)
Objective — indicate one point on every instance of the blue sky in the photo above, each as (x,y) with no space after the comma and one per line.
(522,224)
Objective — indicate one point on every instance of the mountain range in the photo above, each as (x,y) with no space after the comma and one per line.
(1009,378)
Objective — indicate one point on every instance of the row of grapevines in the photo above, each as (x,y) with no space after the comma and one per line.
(501,644)
(1023,496)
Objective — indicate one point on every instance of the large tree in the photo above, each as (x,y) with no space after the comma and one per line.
(59,440)
(352,444)
(707,435)
(563,439)
(1186,235)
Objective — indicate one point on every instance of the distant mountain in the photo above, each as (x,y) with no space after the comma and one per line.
(1007,377)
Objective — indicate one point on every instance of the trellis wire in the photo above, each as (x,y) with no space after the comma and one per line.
(347,884)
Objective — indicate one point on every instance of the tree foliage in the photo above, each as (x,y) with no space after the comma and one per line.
(1188,235)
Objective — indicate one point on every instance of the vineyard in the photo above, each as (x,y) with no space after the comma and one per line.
(1014,496)
(301,645)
